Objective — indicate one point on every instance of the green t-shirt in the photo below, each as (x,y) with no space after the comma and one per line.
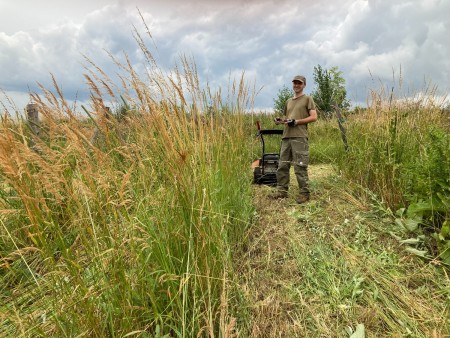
(297,109)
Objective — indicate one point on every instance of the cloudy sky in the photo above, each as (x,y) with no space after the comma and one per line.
(370,41)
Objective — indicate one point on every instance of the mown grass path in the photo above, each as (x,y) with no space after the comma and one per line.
(323,268)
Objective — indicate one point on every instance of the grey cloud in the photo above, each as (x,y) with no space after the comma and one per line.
(30,57)
(378,38)
(270,40)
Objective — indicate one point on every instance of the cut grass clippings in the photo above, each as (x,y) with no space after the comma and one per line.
(327,267)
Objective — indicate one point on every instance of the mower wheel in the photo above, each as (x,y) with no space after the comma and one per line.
(257,174)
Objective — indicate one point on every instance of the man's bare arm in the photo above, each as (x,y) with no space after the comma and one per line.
(311,118)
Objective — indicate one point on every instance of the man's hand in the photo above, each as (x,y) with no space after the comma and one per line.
(291,123)
(278,120)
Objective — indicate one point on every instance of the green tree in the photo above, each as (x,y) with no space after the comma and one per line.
(330,90)
(280,101)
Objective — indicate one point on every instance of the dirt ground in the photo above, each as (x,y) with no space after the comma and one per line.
(271,270)
(302,267)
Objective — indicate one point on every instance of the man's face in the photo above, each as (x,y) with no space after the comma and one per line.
(297,86)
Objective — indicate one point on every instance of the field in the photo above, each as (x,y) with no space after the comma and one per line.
(143,222)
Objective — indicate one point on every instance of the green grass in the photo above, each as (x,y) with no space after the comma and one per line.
(399,149)
(325,268)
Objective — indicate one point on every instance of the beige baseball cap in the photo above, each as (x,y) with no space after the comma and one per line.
(300,78)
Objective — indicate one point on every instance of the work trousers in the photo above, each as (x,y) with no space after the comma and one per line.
(294,151)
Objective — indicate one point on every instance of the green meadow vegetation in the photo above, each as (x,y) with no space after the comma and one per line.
(368,256)
(143,222)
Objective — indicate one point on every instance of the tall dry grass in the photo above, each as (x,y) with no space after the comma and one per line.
(123,224)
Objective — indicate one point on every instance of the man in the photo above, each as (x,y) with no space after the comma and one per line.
(299,111)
